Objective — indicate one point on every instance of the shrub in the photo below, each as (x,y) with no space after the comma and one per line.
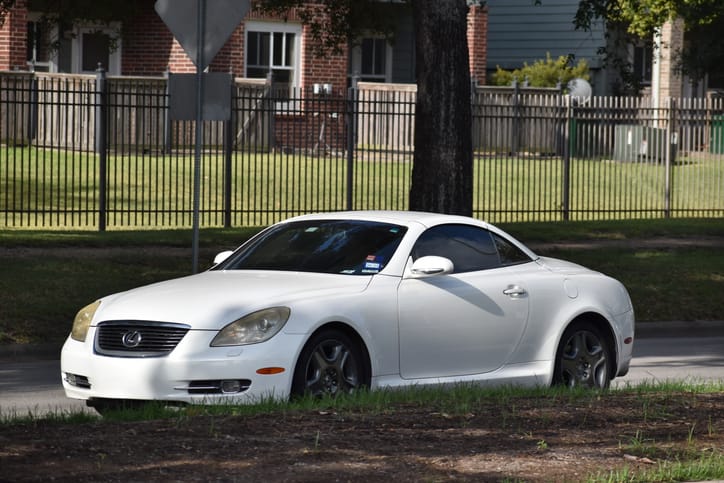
(544,73)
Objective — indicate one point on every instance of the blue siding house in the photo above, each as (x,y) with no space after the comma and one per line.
(519,31)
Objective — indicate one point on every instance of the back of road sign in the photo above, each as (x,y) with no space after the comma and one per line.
(222,17)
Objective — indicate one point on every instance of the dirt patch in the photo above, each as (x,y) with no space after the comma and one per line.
(520,439)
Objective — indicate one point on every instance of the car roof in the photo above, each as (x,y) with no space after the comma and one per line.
(410,218)
(426,219)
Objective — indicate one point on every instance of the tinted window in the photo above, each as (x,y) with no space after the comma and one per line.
(509,253)
(325,246)
(468,247)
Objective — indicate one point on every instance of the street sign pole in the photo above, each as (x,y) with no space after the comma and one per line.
(200,24)
(213,24)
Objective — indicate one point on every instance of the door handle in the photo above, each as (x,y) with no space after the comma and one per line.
(515,292)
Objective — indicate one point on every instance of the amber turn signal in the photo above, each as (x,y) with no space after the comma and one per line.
(268,371)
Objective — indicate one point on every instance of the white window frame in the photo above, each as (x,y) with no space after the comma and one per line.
(272,28)
(114,57)
(52,62)
(356,61)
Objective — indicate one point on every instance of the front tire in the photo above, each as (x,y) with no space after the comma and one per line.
(331,363)
(583,358)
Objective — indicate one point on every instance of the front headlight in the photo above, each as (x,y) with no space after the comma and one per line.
(253,328)
(83,320)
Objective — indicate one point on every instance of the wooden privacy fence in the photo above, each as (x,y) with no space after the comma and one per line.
(90,151)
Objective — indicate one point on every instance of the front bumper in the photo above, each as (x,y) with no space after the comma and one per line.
(626,324)
(188,374)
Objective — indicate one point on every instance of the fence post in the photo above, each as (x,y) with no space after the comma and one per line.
(166,113)
(34,107)
(671,137)
(352,99)
(228,151)
(515,147)
(566,191)
(101,120)
(271,109)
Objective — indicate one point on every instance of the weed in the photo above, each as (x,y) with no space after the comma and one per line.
(700,468)
(690,436)
(641,446)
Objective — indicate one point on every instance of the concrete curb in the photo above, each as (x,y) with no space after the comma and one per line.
(29,352)
(644,330)
(696,328)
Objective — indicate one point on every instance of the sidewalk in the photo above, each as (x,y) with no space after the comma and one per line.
(654,243)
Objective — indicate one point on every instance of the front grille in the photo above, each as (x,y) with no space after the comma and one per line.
(133,338)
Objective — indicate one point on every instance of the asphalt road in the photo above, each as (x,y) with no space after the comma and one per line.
(33,386)
(691,359)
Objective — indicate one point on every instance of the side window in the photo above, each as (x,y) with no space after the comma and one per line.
(371,60)
(509,253)
(470,248)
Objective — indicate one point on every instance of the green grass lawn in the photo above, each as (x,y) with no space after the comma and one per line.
(56,188)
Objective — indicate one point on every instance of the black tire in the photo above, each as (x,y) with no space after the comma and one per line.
(583,358)
(331,363)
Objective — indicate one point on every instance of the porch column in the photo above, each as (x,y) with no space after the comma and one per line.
(477,42)
(668,43)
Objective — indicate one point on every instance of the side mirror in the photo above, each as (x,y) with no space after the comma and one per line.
(431,266)
(222,256)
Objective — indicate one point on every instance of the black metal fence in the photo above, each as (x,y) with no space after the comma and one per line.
(97,152)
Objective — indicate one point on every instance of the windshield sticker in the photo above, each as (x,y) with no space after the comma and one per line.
(372,266)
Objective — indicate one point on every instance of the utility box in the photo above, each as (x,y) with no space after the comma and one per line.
(634,143)
(717,135)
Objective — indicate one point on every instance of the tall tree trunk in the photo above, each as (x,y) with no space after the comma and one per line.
(442,174)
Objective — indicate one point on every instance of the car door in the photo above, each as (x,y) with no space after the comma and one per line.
(469,321)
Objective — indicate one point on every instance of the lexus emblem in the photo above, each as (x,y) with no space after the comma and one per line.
(132,339)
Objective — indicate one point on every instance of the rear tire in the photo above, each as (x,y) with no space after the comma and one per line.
(583,358)
(331,363)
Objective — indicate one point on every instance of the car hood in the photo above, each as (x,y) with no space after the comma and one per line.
(210,300)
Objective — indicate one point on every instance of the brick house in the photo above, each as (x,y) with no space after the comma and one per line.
(147,48)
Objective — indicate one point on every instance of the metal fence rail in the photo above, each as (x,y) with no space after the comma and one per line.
(97,152)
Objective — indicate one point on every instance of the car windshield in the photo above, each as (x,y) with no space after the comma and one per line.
(349,247)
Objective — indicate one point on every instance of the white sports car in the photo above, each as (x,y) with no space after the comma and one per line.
(333,302)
